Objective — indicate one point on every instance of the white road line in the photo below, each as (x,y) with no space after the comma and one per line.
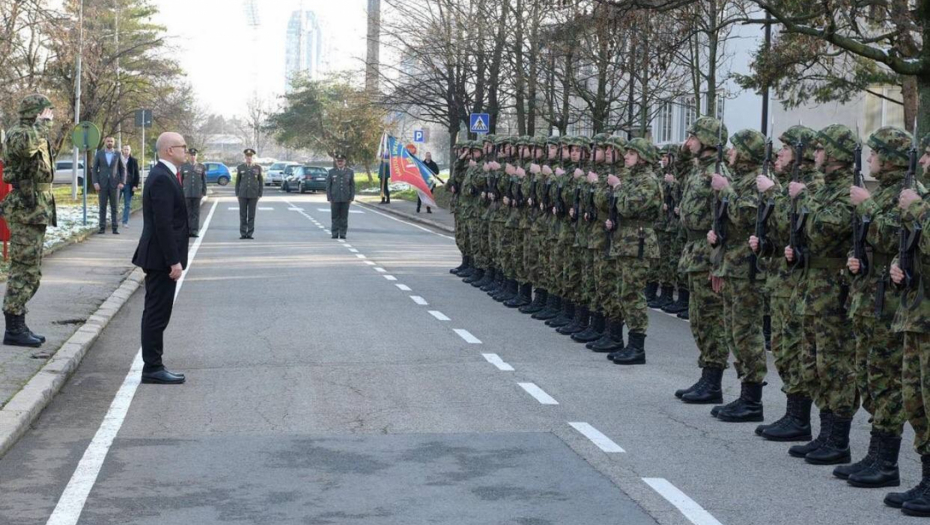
(233,208)
(360,256)
(439,315)
(353,250)
(327,210)
(380,270)
(419,300)
(71,504)
(370,263)
(603,442)
(403,287)
(466,335)
(266,208)
(407,223)
(687,506)
(295,209)
(346,245)
(495,360)
(538,393)
(390,277)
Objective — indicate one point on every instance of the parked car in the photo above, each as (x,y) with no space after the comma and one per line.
(64,172)
(288,175)
(307,178)
(217,173)
(275,175)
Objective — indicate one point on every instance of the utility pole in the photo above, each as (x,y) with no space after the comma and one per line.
(119,113)
(765,89)
(373,61)
(77,105)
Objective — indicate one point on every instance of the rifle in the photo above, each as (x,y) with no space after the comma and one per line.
(576,203)
(612,215)
(669,198)
(798,217)
(908,240)
(860,224)
(721,207)
(520,198)
(510,195)
(763,212)
(592,209)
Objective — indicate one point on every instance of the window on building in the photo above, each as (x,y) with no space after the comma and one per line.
(687,116)
(663,123)
(880,111)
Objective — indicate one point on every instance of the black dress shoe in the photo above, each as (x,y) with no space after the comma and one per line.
(115,232)
(243,237)
(335,236)
(162,377)
(342,236)
(101,232)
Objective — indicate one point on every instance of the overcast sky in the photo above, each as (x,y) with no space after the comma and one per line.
(225,60)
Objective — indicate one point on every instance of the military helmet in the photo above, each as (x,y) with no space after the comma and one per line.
(33,105)
(892,145)
(554,140)
(800,134)
(646,150)
(475,144)
(489,138)
(838,141)
(750,144)
(619,143)
(601,139)
(503,139)
(670,149)
(709,131)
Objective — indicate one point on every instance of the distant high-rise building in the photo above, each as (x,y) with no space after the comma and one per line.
(303,47)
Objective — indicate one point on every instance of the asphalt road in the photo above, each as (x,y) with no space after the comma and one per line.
(359,382)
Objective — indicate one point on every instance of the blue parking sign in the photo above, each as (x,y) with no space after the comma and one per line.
(480,123)
(418,136)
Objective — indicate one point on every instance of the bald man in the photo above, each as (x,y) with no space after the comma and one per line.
(162,252)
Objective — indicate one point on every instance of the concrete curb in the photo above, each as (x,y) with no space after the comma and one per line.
(24,408)
(409,216)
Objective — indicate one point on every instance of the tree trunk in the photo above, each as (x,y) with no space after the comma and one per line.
(713,35)
(520,81)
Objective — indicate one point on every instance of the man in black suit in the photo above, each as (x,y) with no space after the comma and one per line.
(132,181)
(162,252)
(109,177)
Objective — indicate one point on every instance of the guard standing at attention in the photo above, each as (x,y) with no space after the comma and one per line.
(340,192)
(194,175)
(250,183)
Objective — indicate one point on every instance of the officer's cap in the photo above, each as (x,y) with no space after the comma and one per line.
(192,151)
(340,156)
(249,152)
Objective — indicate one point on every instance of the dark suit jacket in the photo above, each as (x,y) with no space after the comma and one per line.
(165,230)
(108,175)
(132,172)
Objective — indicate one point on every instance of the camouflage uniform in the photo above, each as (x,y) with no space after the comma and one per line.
(30,208)
(467,207)
(454,187)
(667,228)
(562,234)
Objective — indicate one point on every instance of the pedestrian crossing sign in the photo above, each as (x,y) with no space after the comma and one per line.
(480,123)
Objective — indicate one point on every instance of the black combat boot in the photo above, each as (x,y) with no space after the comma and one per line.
(17,334)
(468,270)
(552,309)
(41,338)
(494,283)
(507,292)
(612,339)
(594,331)
(538,304)
(709,392)
(826,423)
(680,304)
(796,426)
(767,332)
(883,470)
(682,391)
(835,449)
(461,267)
(476,276)
(667,297)
(579,321)
(917,494)
(651,290)
(523,296)
(747,408)
(635,351)
(685,314)
(788,408)
(844,471)
(565,316)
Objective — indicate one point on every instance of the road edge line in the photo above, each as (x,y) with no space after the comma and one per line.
(424,222)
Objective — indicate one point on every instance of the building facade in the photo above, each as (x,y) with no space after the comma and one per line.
(303,53)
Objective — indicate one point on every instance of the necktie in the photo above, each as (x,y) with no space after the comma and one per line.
(179,177)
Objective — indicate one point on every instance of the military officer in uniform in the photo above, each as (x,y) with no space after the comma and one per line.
(29,210)
(340,192)
(250,183)
(194,176)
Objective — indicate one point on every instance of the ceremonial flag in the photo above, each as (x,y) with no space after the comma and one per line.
(407,168)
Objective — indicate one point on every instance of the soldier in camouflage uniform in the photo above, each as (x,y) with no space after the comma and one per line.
(828,353)
(684,161)
(606,269)
(480,232)
(526,257)
(666,271)
(573,270)
(518,294)
(499,215)
(533,222)
(562,234)
(879,351)
(468,209)
(29,209)
(548,227)
(635,246)
(913,320)
(454,187)
(737,210)
(781,283)
(696,209)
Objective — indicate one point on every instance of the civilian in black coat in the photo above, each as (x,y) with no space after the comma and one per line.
(132,181)
(428,161)
(162,253)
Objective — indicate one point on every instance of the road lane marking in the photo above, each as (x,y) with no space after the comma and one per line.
(360,256)
(466,335)
(403,287)
(407,223)
(233,208)
(419,300)
(439,315)
(265,208)
(353,250)
(538,393)
(71,503)
(295,209)
(346,245)
(380,270)
(370,263)
(495,360)
(603,442)
(687,506)
(390,277)
(327,210)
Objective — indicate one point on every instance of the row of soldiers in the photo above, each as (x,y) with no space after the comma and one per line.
(568,230)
